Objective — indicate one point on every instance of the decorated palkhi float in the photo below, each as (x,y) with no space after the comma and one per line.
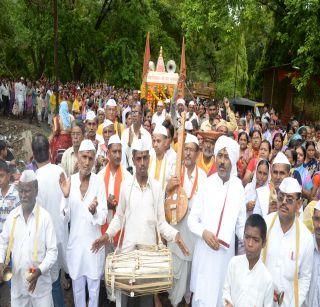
(159,81)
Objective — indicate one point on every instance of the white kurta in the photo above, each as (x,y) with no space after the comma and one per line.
(85,227)
(246,288)
(281,256)
(182,263)
(158,119)
(23,248)
(313,297)
(209,266)
(49,197)
(145,136)
(144,210)
(167,169)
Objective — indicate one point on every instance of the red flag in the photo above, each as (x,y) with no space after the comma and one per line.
(146,58)
(183,70)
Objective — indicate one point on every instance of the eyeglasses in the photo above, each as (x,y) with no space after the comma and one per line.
(136,113)
(286,198)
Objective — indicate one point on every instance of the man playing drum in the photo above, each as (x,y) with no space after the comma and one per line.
(141,209)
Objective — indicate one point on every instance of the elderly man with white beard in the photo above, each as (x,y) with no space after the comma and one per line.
(215,221)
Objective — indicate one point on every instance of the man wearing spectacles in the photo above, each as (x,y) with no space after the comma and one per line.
(289,251)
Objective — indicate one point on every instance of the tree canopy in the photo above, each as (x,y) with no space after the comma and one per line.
(228,42)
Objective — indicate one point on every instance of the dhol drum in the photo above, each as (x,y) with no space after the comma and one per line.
(145,270)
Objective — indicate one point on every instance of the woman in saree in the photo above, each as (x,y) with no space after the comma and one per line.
(61,133)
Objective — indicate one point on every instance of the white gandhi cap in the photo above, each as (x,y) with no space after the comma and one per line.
(281,159)
(190,138)
(140,145)
(28,176)
(86,145)
(159,129)
(290,185)
(114,139)
(107,123)
(111,103)
(90,115)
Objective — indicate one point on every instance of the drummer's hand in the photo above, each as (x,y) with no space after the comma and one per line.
(93,206)
(227,304)
(250,205)
(97,244)
(181,244)
(211,239)
(173,183)
(33,280)
(1,272)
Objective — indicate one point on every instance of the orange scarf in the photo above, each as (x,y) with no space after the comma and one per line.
(117,184)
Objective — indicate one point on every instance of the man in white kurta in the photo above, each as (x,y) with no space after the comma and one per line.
(109,176)
(280,254)
(161,167)
(20,93)
(265,194)
(50,196)
(86,210)
(313,297)
(141,210)
(133,133)
(34,246)
(159,117)
(218,214)
(192,179)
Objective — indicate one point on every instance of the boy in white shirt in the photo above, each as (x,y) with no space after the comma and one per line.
(248,282)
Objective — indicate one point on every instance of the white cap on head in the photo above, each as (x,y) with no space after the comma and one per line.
(111,103)
(160,103)
(168,100)
(233,149)
(317,206)
(190,138)
(188,125)
(281,159)
(28,176)
(290,185)
(140,145)
(191,103)
(159,129)
(107,123)
(181,101)
(101,110)
(114,139)
(86,145)
(90,115)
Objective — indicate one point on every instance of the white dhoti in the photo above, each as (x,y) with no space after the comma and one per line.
(20,100)
(29,301)
(181,281)
(79,291)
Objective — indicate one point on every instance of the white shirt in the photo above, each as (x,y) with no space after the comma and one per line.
(20,91)
(247,288)
(4,90)
(49,197)
(69,161)
(281,256)
(159,119)
(208,265)
(124,112)
(85,227)
(143,210)
(22,251)
(145,136)
(313,297)
(192,117)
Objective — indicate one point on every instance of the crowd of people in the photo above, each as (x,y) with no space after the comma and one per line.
(251,233)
